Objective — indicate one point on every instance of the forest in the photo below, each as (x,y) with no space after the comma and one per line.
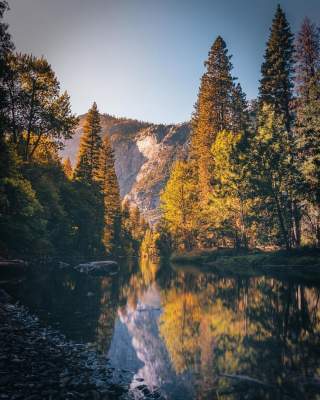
(151,260)
(250,178)
(252,175)
(48,208)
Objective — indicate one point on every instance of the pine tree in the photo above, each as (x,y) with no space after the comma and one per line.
(229,203)
(6,47)
(88,164)
(275,126)
(213,110)
(67,167)
(308,119)
(240,114)
(20,210)
(307,58)
(112,204)
(276,82)
(271,174)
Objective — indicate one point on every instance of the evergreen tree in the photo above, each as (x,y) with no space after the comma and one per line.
(307,58)
(88,164)
(307,127)
(240,113)
(139,225)
(87,174)
(213,110)
(276,82)
(6,47)
(274,178)
(111,195)
(67,167)
(229,204)
(21,225)
(275,127)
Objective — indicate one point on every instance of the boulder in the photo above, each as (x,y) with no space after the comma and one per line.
(98,268)
(63,265)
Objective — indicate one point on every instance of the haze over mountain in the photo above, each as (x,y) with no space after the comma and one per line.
(144,153)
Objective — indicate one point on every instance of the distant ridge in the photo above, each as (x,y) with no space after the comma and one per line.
(144,153)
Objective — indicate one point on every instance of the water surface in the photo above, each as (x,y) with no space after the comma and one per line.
(185,334)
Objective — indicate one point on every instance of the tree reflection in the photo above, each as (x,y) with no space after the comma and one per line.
(260,327)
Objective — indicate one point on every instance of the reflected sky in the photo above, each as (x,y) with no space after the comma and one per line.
(183,334)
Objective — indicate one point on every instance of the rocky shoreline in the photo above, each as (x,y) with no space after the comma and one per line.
(38,363)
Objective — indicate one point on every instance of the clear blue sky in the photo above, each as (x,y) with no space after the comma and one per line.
(144,58)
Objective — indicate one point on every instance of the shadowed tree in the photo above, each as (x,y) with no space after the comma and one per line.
(6,47)
(88,163)
(308,118)
(67,167)
(111,195)
(276,83)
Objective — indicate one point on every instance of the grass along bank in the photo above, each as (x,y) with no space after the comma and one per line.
(303,262)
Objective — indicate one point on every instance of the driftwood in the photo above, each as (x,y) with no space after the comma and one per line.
(12,263)
(248,379)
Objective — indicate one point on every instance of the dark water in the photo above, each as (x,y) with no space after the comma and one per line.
(180,331)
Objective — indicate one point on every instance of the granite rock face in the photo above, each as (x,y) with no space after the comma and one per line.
(144,153)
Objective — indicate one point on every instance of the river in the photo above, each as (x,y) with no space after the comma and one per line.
(187,334)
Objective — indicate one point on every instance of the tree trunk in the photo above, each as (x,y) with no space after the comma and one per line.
(283,229)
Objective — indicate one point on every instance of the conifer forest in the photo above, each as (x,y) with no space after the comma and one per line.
(143,260)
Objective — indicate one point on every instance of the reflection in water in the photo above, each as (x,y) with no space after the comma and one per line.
(209,326)
(180,333)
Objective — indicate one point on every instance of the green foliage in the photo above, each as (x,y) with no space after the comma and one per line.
(229,205)
(307,128)
(6,46)
(179,203)
(276,82)
(36,110)
(131,233)
(213,110)
(46,209)
(21,225)
(253,175)
(88,163)
(111,198)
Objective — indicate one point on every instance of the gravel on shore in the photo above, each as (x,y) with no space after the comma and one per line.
(38,363)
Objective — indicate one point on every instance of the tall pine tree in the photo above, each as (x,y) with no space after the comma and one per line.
(276,83)
(88,164)
(6,47)
(111,195)
(213,110)
(275,129)
(307,130)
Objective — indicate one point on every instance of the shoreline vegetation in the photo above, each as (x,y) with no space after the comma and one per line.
(252,175)
(302,263)
(250,180)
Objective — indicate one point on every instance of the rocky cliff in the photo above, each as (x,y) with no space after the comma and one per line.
(144,153)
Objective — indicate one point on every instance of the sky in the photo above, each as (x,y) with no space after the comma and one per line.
(144,59)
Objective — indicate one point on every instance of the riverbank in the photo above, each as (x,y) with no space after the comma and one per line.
(37,363)
(303,263)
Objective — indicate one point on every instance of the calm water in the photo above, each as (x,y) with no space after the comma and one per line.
(180,331)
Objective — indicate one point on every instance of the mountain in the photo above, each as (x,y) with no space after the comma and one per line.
(144,153)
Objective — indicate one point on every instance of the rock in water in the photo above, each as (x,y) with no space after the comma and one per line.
(98,267)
